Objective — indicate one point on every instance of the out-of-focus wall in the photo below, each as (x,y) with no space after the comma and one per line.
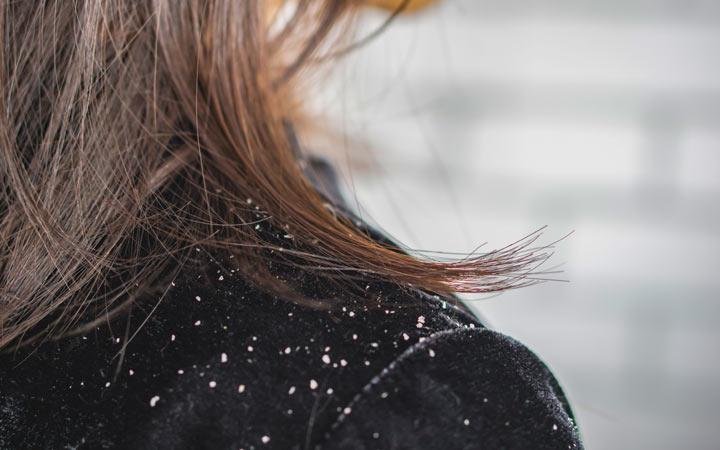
(491,118)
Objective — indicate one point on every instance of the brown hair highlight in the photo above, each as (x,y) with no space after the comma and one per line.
(132,131)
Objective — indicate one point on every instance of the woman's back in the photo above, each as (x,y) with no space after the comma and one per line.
(220,365)
(176,273)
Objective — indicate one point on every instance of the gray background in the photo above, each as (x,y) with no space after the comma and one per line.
(483,120)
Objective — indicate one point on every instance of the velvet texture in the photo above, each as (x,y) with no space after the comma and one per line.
(220,365)
(213,363)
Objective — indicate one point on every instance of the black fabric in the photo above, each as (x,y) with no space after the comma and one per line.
(219,365)
(212,363)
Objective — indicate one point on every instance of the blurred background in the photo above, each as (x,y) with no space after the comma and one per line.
(484,120)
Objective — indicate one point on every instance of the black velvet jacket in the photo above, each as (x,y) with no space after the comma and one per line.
(219,365)
(212,363)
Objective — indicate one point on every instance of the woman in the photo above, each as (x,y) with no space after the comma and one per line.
(176,272)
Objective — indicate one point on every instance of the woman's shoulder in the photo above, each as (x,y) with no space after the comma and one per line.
(213,363)
(456,389)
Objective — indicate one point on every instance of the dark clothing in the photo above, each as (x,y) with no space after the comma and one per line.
(214,363)
(220,365)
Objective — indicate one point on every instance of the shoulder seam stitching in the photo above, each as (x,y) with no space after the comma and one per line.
(413,349)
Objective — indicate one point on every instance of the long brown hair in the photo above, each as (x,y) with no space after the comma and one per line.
(132,131)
